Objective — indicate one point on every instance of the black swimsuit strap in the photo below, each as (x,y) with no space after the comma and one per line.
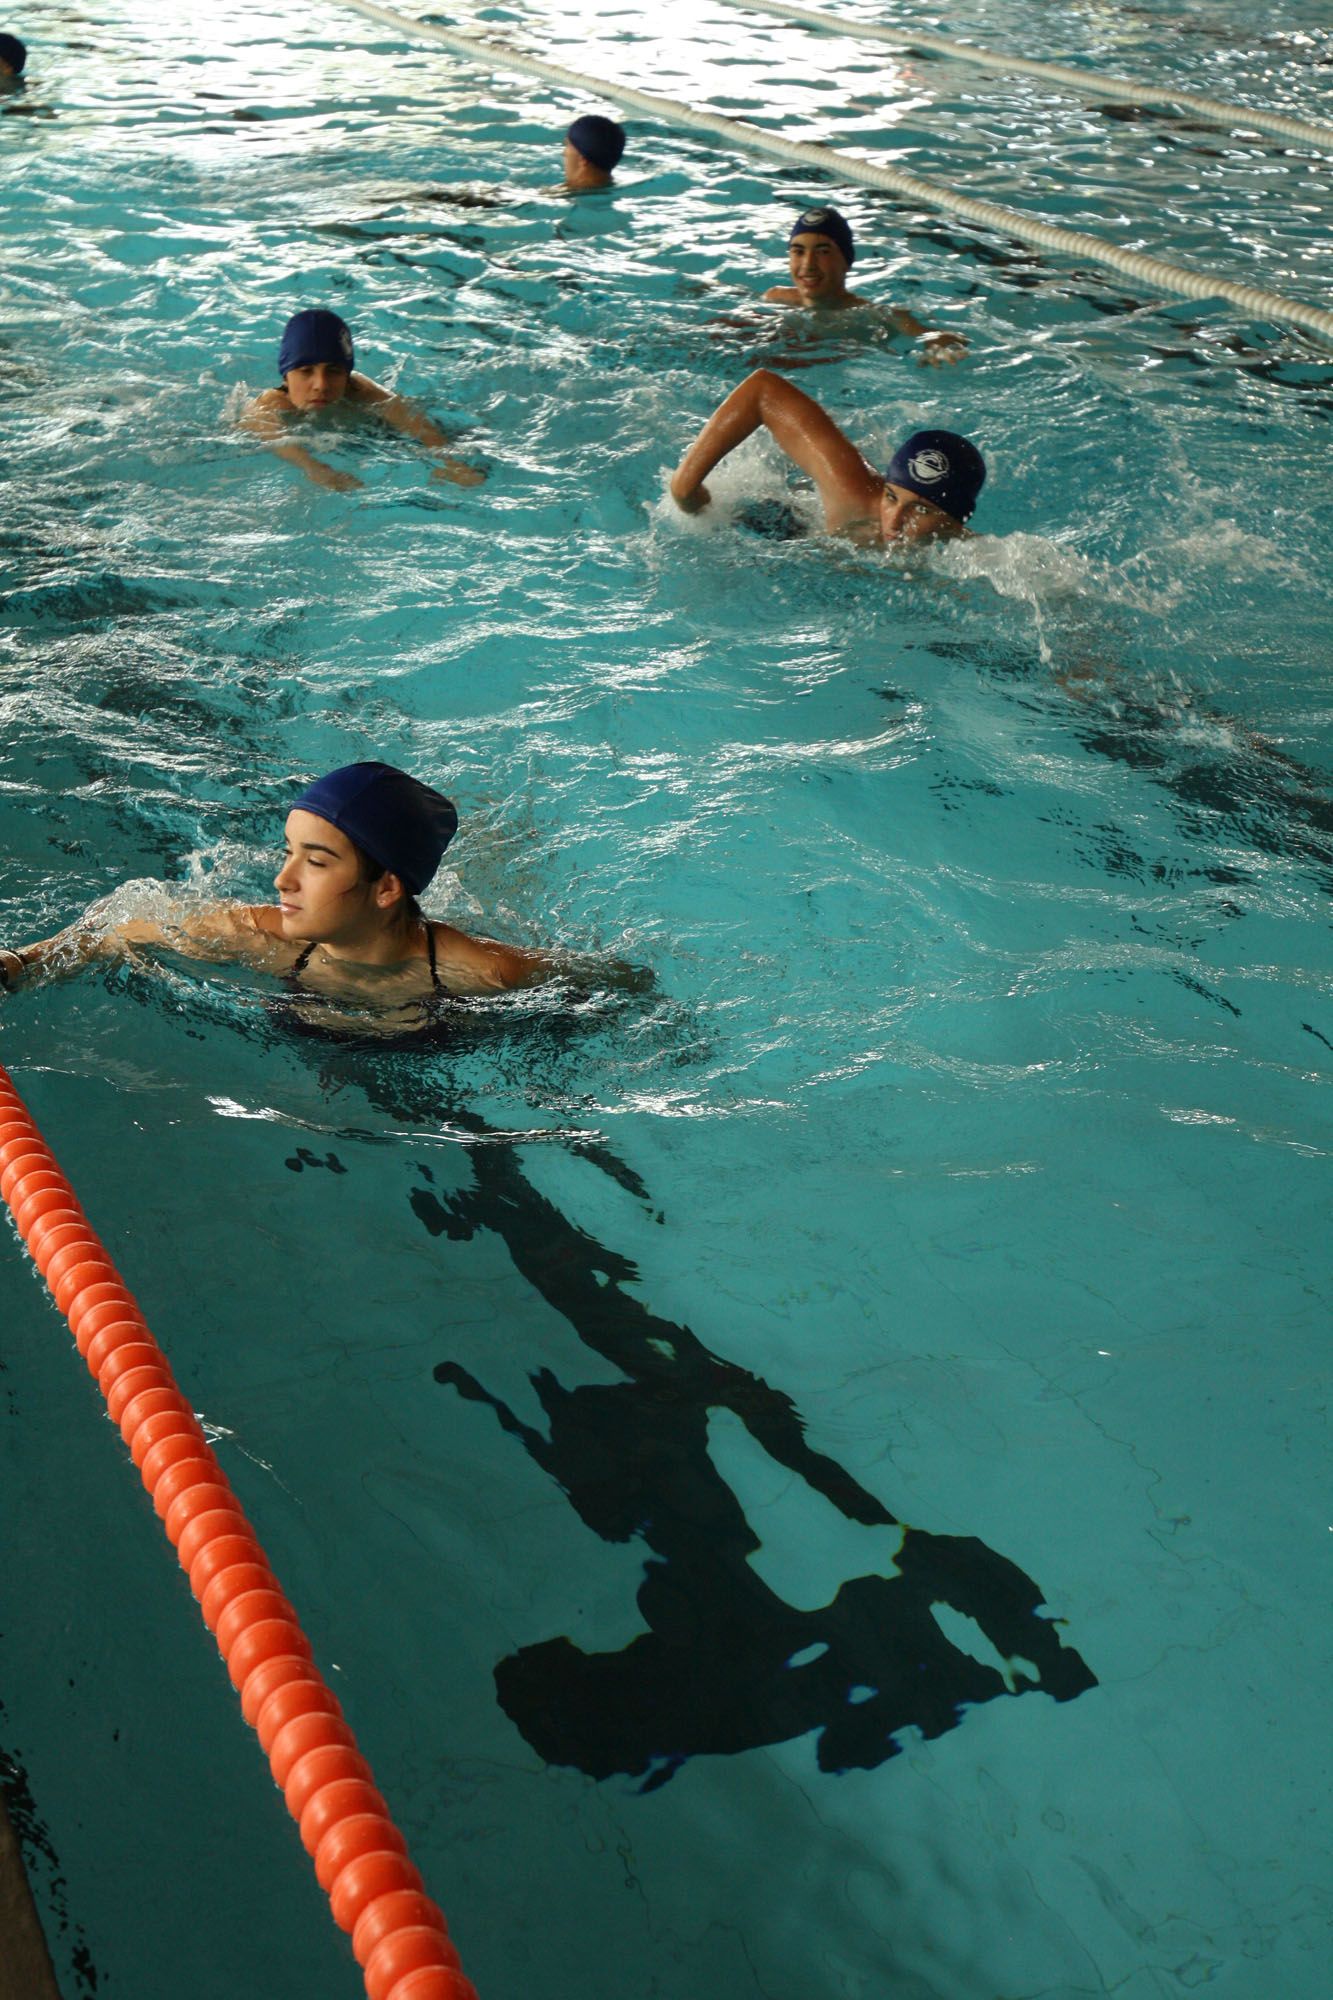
(435,980)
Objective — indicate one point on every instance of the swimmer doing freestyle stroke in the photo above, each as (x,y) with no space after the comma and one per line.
(928,493)
(316,361)
(361,845)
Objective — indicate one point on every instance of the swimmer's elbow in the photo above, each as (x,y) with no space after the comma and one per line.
(525,968)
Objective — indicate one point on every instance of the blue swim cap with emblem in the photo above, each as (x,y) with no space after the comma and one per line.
(600,140)
(940,467)
(13,52)
(826,222)
(402,824)
(313,336)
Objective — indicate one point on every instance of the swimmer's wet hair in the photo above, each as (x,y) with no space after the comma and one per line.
(13,52)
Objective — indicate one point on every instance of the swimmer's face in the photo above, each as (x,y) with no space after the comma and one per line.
(905,517)
(317,386)
(580,172)
(818,268)
(322,893)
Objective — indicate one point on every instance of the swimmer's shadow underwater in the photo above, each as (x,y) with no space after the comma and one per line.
(725,1664)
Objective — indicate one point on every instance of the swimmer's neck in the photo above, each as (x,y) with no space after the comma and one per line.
(378,945)
(791,295)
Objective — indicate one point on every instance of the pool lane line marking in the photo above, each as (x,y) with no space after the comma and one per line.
(1216,110)
(1155,272)
(399,1936)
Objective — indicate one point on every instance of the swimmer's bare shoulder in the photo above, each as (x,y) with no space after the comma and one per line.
(360,389)
(787,295)
(475,966)
(265,414)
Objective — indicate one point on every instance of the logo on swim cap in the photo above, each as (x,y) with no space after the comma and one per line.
(814,218)
(345,342)
(929,467)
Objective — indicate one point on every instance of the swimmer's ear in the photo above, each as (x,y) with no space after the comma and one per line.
(389,889)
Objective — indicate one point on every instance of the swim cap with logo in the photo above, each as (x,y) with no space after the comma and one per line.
(394,818)
(940,467)
(826,222)
(313,336)
(13,52)
(600,140)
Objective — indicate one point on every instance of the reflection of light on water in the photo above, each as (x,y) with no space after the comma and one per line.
(760,70)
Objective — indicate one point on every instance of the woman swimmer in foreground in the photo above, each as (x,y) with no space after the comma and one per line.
(928,492)
(361,845)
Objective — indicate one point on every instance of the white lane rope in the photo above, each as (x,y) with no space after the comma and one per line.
(1154,272)
(1215,110)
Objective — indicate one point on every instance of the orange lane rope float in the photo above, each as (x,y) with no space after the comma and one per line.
(398,1934)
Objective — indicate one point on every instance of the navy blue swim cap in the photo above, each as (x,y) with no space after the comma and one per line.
(313,336)
(393,818)
(941,467)
(13,52)
(826,222)
(600,140)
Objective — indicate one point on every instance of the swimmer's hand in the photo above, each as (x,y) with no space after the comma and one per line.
(456,473)
(690,499)
(329,475)
(941,350)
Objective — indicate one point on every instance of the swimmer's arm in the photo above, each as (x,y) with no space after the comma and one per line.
(939,347)
(266,419)
(472,966)
(799,426)
(220,931)
(405,417)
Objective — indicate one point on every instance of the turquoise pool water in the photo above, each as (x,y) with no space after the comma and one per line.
(904,1571)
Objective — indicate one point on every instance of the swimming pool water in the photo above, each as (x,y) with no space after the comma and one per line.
(905,1569)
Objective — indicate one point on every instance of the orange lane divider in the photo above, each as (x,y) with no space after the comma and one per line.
(399,1936)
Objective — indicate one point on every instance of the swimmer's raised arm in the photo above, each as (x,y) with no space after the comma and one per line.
(848,485)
